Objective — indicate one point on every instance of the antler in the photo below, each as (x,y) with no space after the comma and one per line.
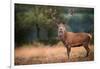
(71,11)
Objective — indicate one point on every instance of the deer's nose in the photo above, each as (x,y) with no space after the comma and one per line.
(60,31)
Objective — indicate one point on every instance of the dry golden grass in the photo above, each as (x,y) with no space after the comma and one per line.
(46,54)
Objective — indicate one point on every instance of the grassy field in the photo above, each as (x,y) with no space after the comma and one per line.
(30,54)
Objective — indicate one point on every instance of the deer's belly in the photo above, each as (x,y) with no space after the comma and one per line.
(76,43)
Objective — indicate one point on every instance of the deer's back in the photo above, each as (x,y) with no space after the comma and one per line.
(76,38)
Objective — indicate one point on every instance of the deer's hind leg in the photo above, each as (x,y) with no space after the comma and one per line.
(86,46)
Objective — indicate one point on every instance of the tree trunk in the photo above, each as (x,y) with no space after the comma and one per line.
(38,31)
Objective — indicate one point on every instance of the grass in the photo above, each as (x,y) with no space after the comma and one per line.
(57,53)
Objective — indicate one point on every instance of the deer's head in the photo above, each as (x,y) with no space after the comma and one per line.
(61,30)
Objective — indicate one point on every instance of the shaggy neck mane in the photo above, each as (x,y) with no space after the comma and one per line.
(64,37)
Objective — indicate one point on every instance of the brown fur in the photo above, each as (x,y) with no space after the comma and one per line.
(75,40)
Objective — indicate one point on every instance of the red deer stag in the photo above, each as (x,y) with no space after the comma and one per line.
(71,39)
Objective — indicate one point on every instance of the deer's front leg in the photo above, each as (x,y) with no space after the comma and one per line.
(68,47)
(68,51)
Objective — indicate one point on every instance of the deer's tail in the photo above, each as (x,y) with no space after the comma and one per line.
(90,36)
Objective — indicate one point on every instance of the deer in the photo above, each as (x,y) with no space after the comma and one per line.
(73,39)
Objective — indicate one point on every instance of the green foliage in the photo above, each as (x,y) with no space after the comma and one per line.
(30,20)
